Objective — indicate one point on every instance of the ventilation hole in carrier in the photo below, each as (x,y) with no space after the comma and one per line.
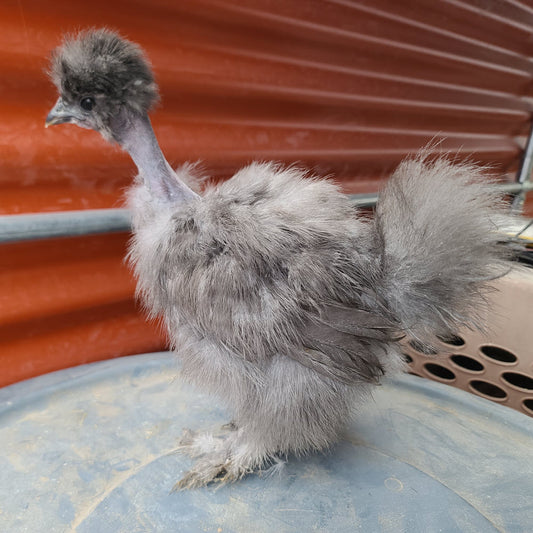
(498,354)
(467,363)
(519,381)
(488,390)
(439,371)
(407,357)
(528,405)
(421,347)
(452,340)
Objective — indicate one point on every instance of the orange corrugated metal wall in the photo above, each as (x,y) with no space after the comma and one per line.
(346,87)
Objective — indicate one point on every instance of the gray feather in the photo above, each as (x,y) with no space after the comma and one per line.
(437,226)
(311,280)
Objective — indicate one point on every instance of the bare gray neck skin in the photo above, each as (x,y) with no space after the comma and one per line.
(136,136)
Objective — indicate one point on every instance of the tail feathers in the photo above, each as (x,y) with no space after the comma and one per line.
(436,224)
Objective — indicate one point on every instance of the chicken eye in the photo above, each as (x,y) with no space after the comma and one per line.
(87,103)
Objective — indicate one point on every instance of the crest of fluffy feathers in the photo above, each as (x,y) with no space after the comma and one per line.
(104,65)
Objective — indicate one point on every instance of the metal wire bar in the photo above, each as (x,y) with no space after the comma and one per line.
(524,173)
(35,226)
(369,200)
(63,224)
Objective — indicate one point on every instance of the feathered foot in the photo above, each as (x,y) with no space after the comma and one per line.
(220,459)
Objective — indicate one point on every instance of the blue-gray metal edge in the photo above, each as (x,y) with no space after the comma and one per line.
(33,226)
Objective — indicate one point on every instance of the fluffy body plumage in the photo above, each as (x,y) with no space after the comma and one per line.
(279,298)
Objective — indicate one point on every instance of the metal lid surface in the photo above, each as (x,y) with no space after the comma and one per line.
(90,449)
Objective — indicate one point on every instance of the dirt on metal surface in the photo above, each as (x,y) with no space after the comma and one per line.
(91,449)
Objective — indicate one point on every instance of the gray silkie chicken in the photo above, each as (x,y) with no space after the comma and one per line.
(277,296)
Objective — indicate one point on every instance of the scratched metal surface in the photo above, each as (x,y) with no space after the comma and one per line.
(89,449)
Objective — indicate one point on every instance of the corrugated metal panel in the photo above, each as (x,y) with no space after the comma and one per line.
(348,88)
(65,302)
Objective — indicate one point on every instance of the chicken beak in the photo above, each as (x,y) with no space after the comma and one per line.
(59,114)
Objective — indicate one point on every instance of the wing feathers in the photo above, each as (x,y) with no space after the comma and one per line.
(343,343)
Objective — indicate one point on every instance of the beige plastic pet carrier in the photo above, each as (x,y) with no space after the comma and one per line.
(497,365)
